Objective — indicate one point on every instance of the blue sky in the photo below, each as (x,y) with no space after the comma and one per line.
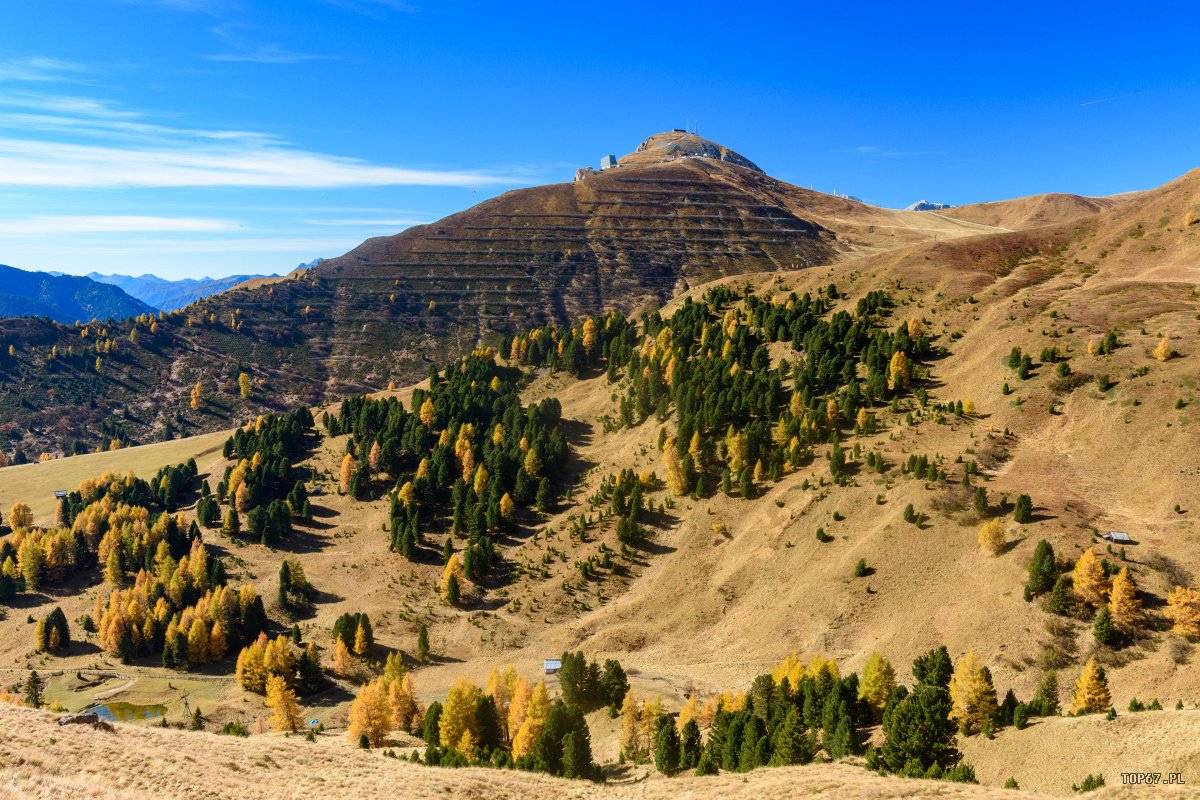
(194,137)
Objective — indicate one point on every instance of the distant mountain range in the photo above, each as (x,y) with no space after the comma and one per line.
(167,295)
(63,298)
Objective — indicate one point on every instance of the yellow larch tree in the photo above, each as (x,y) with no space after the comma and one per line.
(536,715)
(631,728)
(1089,579)
(648,721)
(972,694)
(197,396)
(508,509)
(899,371)
(518,705)
(533,461)
(370,715)
(676,480)
(481,480)
(878,682)
(1183,609)
(343,662)
(403,703)
(241,499)
(1123,605)
(690,710)
(244,385)
(360,641)
(1163,351)
(500,686)
(428,413)
(347,473)
(285,710)
(1091,695)
(452,575)
(791,668)
(991,537)
(20,516)
(375,458)
(458,714)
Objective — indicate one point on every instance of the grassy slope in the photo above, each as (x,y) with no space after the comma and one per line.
(739,602)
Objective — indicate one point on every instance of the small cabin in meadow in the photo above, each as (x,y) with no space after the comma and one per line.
(551,665)
(1117,537)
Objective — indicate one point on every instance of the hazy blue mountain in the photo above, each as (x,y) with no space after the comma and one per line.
(64,298)
(168,295)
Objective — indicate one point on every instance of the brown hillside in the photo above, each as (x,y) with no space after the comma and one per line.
(622,238)
(1033,211)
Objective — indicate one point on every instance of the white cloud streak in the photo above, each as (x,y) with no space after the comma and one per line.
(40,70)
(367,223)
(46,148)
(87,223)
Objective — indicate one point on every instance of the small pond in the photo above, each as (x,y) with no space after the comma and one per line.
(119,711)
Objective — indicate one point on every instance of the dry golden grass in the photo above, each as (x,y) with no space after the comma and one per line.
(710,610)
(39,759)
(35,483)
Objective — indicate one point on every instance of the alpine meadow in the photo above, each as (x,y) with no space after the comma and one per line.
(549,473)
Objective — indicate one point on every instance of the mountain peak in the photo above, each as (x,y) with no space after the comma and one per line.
(677,144)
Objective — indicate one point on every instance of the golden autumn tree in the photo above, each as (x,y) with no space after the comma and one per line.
(1089,579)
(428,413)
(676,479)
(285,710)
(500,686)
(1163,351)
(20,516)
(690,710)
(1183,609)
(1091,695)
(241,500)
(370,715)
(508,509)
(481,480)
(458,714)
(533,462)
(899,371)
(197,399)
(403,702)
(244,385)
(450,586)
(346,474)
(343,662)
(1123,605)
(360,640)
(632,746)
(991,537)
(878,682)
(535,721)
(518,705)
(972,694)
(375,458)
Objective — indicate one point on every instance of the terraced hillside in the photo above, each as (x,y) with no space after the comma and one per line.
(622,238)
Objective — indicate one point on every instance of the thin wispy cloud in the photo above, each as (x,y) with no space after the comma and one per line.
(80,143)
(211,7)
(372,7)
(39,69)
(878,150)
(1101,100)
(243,46)
(88,223)
(366,223)
(267,54)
